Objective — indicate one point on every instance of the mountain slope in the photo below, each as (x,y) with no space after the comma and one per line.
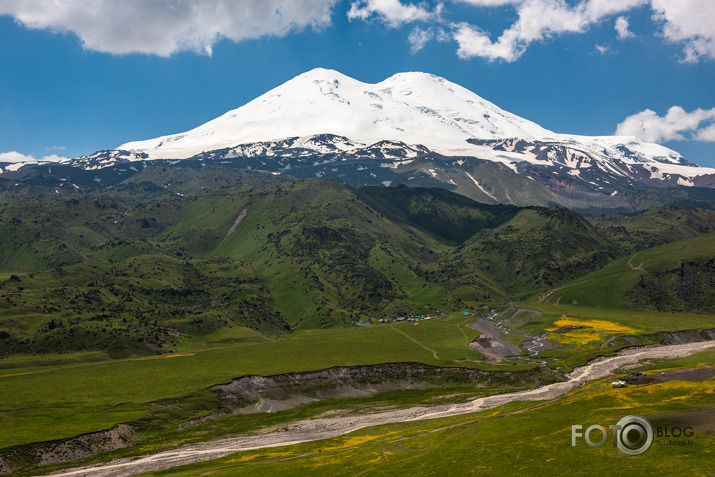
(414,108)
(415,129)
(132,275)
(325,124)
(678,276)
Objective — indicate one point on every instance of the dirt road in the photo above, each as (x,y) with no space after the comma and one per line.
(317,429)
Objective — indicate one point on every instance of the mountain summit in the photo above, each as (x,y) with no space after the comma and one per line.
(414,108)
(412,129)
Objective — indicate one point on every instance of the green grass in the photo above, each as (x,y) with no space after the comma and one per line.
(446,337)
(641,328)
(659,259)
(517,439)
(34,362)
(643,321)
(92,397)
(608,287)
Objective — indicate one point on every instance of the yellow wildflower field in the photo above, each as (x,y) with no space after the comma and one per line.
(599,325)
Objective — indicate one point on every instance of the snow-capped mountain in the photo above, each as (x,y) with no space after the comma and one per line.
(413,108)
(419,110)
(414,129)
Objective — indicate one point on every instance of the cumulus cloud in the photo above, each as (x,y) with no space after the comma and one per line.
(621,27)
(537,20)
(392,12)
(595,10)
(687,22)
(691,22)
(473,41)
(706,134)
(163,27)
(676,125)
(14,156)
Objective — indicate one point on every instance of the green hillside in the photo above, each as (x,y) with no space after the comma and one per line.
(679,276)
(536,249)
(655,227)
(198,251)
(133,303)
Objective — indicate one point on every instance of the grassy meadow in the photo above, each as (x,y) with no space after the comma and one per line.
(517,439)
(78,397)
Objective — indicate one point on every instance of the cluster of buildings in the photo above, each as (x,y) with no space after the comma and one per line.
(411,318)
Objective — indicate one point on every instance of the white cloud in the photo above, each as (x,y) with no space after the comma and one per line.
(54,158)
(595,10)
(691,22)
(474,42)
(602,49)
(392,12)
(419,38)
(706,134)
(677,124)
(621,27)
(538,20)
(490,3)
(14,156)
(688,22)
(163,27)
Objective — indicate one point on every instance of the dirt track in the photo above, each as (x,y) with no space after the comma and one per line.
(317,429)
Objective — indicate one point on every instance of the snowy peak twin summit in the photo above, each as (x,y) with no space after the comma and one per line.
(418,129)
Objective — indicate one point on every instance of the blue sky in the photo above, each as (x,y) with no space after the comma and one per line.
(75,80)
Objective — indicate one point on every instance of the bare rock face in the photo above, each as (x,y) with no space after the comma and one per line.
(249,394)
(66,450)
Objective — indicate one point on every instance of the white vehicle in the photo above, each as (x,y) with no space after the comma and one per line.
(619,384)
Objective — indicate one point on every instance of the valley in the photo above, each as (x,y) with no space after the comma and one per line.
(342,294)
(327,428)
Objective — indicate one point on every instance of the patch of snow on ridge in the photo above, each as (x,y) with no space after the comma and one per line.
(16,166)
(481,188)
(685,171)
